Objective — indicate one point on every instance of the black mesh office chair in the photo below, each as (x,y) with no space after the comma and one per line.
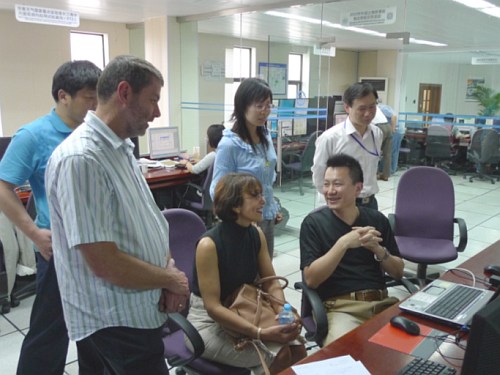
(438,148)
(484,152)
(301,163)
(197,198)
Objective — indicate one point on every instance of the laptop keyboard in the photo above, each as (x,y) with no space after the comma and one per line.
(421,366)
(454,302)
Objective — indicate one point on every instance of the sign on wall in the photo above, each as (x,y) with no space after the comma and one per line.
(275,75)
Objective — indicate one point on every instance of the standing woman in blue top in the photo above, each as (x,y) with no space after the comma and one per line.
(248,147)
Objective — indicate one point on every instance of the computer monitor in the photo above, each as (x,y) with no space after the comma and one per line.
(4,143)
(482,355)
(163,142)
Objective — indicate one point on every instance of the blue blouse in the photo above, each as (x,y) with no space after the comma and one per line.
(235,155)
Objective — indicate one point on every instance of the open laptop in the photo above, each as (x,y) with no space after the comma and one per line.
(447,302)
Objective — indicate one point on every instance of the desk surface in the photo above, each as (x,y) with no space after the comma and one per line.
(381,360)
(165,177)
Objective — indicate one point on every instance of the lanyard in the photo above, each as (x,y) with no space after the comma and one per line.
(361,143)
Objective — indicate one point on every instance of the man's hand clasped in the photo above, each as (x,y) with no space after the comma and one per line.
(175,297)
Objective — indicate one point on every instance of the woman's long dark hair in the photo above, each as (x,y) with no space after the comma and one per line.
(250,91)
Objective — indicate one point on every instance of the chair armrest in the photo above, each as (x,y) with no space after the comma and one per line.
(292,158)
(462,229)
(409,286)
(195,186)
(318,312)
(392,221)
(181,194)
(179,321)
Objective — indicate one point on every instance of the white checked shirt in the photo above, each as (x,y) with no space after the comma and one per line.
(339,139)
(97,194)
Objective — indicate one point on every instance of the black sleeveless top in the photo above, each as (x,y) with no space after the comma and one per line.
(237,251)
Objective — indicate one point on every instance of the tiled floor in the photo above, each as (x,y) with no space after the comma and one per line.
(478,203)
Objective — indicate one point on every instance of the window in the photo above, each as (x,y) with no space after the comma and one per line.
(90,46)
(238,66)
(241,63)
(294,75)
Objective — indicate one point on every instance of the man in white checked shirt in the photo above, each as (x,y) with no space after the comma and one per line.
(110,240)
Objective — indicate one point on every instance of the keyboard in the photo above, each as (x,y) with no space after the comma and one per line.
(421,366)
(455,302)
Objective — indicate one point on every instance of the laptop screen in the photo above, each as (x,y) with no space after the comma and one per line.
(163,142)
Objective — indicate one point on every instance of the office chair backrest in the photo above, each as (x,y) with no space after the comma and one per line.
(438,142)
(308,153)
(206,199)
(489,145)
(185,229)
(425,204)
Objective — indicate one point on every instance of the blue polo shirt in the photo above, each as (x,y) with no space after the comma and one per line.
(27,155)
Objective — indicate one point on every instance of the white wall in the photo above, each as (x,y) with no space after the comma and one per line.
(29,56)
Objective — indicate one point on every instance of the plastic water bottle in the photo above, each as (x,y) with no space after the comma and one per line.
(286,315)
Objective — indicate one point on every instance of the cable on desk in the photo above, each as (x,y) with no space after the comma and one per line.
(456,340)
(473,277)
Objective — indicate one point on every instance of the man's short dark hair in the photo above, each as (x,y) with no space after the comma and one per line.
(343,160)
(139,73)
(73,76)
(214,134)
(357,91)
(229,193)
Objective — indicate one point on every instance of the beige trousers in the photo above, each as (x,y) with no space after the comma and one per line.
(345,315)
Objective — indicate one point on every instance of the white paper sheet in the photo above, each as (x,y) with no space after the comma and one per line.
(338,365)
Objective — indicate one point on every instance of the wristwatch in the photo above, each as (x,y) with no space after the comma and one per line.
(386,255)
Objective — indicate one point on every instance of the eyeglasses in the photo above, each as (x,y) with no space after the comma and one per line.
(261,106)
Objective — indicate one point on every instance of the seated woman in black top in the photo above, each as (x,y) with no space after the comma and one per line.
(227,256)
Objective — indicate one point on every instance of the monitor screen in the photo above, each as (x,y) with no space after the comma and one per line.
(163,142)
(482,355)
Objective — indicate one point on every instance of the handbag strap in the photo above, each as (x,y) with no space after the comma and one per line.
(263,280)
(244,342)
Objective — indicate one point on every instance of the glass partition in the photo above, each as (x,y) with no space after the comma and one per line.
(340,43)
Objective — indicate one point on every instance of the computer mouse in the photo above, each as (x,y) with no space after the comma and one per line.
(405,324)
(492,269)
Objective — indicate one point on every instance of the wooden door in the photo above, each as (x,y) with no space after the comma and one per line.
(429,99)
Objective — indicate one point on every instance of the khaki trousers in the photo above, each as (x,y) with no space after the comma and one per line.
(345,315)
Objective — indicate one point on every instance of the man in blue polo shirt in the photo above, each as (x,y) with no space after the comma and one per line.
(74,84)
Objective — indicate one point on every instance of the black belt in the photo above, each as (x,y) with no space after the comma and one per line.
(365,200)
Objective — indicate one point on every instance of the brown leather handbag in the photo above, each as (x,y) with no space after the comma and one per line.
(255,305)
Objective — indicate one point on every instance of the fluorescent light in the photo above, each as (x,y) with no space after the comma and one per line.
(348,28)
(475,4)
(482,6)
(427,42)
(495,12)
(294,17)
